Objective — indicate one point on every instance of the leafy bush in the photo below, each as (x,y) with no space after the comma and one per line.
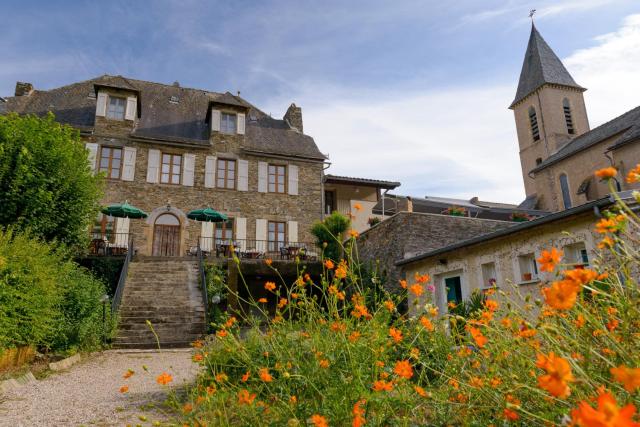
(571,357)
(46,185)
(216,290)
(330,234)
(45,299)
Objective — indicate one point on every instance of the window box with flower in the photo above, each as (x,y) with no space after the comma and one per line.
(456,211)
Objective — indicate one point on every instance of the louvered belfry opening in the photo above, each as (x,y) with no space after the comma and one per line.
(533,120)
(567,116)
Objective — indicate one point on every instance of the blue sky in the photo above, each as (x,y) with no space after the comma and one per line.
(415,91)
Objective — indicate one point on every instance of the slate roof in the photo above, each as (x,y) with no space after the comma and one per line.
(363,181)
(181,121)
(627,126)
(541,65)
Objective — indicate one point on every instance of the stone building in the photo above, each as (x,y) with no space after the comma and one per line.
(168,149)
(558,149)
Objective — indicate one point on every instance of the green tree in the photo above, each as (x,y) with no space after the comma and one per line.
(331,232)
(46,184)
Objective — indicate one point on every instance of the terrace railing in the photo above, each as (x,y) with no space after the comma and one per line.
(108,244)
(203,282)
(257,249)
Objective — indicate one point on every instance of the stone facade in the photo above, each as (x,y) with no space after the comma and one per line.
(504,255)
(406,234)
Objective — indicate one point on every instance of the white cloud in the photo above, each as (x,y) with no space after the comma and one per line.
(457,142)
(609,69)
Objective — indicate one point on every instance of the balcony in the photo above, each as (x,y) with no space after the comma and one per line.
(109,244)
(258,249)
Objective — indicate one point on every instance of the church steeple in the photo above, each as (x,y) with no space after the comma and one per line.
(541,65)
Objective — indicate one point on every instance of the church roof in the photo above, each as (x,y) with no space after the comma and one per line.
(541,65)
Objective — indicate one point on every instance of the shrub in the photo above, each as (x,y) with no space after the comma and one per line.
(330,234)
(327,358)
(45,299)
(46,185)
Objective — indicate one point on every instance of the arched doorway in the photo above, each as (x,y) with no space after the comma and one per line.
(166,235)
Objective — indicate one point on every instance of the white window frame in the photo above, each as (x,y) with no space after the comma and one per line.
(535,271)
(108,114)
(224,123)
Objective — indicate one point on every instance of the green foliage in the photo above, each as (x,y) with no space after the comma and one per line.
(46,300)
(216,286)
(330,234)
(105,269)
(46,185)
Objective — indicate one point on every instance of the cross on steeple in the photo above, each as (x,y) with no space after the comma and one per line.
(531,13)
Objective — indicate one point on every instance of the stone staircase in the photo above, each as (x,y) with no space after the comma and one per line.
(166,292)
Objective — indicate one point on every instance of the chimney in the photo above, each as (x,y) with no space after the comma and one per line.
(409,204)
(23,89)
(294,117)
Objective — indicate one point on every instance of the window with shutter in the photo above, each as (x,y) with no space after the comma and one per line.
(277,178)
(171,166)
(111,162)
(226,174)
(116,108)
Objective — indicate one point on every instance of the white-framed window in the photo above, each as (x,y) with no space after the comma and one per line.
(116,108)
(226,174)
(171,166)
(576,254)
(528,267)
(489,278)
(277,178)
(228,123)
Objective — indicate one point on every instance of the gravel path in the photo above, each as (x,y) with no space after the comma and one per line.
(88,393)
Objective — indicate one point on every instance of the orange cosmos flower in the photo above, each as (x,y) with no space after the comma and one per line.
(324,363)
(221,333)
(221,377)
(606,173)
(495,382)
(245,377)
(629,377)
(341,270)
(389,305)
(282,303)
(634,175)
(197,344)
(606,243)
(422,278)
(358,414)
(229,323)
(476,382)
(549,259)
(579,322)
(353,233)
(319,421)
(558,374)
(612,324)
(580,276)
(128,374)
(561,295)
(382,385)
(607,413)
(359,311)
(354,336)
(262,300)
(510,414)
(198,357)
(338,327)
(403,284)
(357,206)
(268,261)
(403,369)
(329,264)
(480,339)
(124,389)
(187,407)
(607,225)
(264,375)
(211,389)
(420,391)
(396,334)
(270,286)
(427,324)
(433,311)
(164,378)
(454,383)
(416,289)
(244,398)
(491,305)
(293,399)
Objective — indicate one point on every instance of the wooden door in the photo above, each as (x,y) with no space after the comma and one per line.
(166,240)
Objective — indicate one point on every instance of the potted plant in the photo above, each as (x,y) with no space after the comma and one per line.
(373,221)
(520,217)
(456,211)
(527,276)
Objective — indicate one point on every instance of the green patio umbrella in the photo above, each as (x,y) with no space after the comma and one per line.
(207,215)
(124,210)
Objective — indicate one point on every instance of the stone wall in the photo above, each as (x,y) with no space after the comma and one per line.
(408,234)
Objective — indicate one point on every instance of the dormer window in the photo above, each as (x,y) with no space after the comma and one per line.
(228,123)
(116,108)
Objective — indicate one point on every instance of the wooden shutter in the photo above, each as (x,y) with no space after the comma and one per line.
(241,233)
(263,168)
(210,172)
(261,231)
(129,164)
(293,179)
(93,154)
(122,232)
(188,169)
(241,123)
(153,166)
(215,120)
(207,233)
(101,104)
(243,175)
(132,107)
(292,231)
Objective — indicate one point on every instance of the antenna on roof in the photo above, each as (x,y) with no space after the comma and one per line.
(531,13)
